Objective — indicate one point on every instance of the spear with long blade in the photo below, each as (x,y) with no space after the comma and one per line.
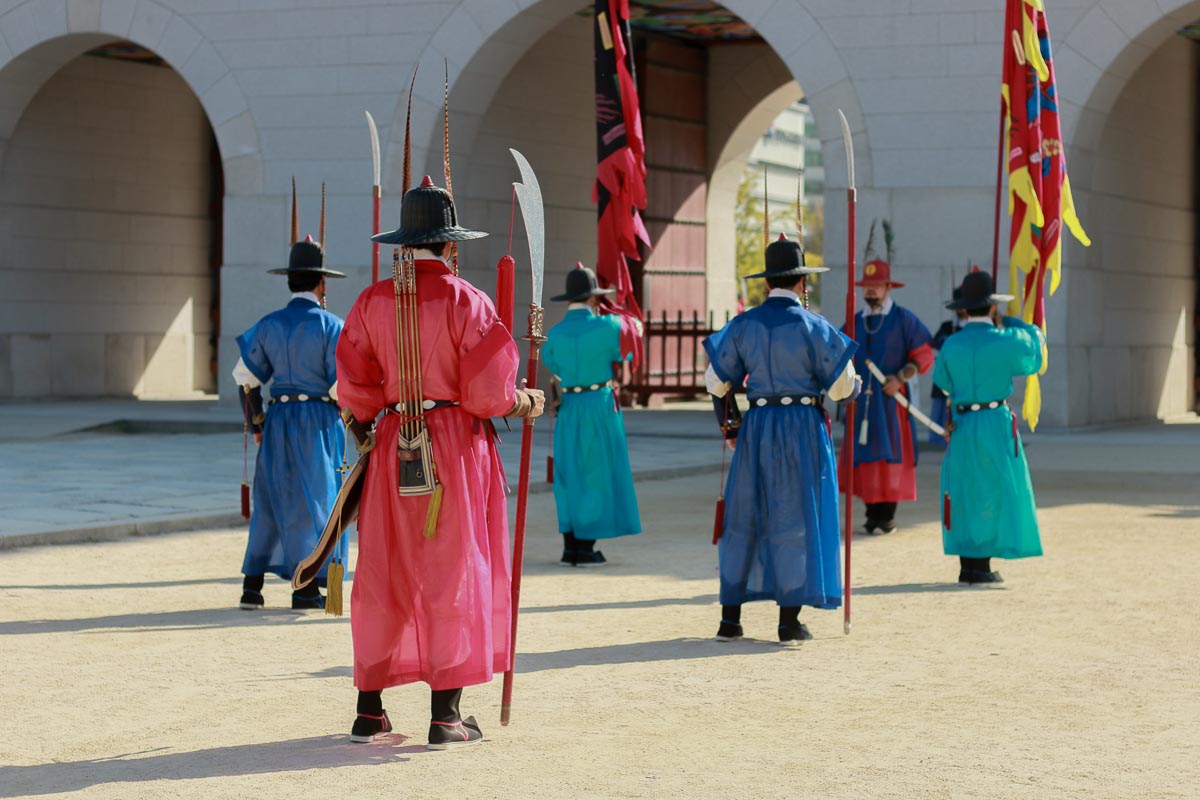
(848,436)
(376,194)
(529,196)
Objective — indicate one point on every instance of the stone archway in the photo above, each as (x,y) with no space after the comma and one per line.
(483,42)
(67,335)
(1129,341)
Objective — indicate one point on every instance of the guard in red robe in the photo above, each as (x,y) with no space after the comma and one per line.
(431,588)
(885,436)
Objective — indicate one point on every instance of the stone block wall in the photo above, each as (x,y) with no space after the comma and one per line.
(105,237)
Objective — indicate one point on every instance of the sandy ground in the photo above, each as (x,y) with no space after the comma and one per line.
(126,672)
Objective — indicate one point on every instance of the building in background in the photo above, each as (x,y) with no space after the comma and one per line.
(118,215)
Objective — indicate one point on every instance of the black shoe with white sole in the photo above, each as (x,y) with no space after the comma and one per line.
(453,735)
(793,635)
(592,558)
(974,577)
(729,632)
(307,602)
(367,727)
(251,601)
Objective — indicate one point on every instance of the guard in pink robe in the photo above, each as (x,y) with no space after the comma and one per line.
(432,608)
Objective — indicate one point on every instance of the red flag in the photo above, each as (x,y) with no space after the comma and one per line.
(1040,199)
(620,188)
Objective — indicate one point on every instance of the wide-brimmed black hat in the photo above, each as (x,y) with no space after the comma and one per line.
(427,216)
(581,284)
(977,290)
(307,256)
(785,258)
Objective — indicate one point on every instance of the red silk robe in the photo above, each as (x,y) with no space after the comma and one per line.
(434,610)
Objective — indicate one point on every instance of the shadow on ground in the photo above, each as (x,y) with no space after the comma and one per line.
(317,752)
(164,621)
(633,653)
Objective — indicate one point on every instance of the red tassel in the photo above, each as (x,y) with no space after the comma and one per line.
(549,469)
(946,510)
(245,500)
(505,288)
(719,520)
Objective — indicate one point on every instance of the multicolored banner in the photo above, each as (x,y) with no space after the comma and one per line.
(1040,200)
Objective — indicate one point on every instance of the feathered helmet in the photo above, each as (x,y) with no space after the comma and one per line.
(878,271)
(307,255)
(427,212)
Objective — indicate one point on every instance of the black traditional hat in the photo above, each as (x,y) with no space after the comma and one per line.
(581,284)
(307,255)
(977,290)
(785,258)
(427,216)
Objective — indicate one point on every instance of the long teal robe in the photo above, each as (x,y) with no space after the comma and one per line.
(593,482)
(988,507)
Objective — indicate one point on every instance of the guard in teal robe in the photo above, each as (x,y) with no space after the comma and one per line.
(301,439)
(593,483)
(988,507)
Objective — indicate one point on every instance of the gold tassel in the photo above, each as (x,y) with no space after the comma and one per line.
(333,594)
(435,510)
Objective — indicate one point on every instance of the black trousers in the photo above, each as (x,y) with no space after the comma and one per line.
(578,545)
(881,512)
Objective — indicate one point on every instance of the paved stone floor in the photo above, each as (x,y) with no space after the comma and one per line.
(126,672)
(86,471)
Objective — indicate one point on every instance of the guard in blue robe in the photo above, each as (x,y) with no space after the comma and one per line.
(938,410)
(593,483)
(780,538)
(988,507)
(301,438)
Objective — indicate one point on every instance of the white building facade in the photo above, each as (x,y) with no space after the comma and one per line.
(141,205)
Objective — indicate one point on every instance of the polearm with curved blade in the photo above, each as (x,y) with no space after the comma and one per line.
(529,196)
(848,436)
(376,194)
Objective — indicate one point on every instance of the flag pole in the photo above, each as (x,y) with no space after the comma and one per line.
(999,184)
(848,436)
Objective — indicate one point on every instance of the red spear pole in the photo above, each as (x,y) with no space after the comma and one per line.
(375,227)
(535,340)
(848,436)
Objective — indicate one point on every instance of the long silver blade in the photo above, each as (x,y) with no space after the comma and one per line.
(849,142)
(529,195)
(374,146)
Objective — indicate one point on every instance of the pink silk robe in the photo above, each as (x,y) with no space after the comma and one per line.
(434,610)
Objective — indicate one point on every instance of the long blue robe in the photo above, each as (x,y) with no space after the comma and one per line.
(593,483)
(296,478)
(988,507)
(891,342)
(782,536)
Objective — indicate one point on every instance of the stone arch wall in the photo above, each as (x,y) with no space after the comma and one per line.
(482,41)
(40,37)
(150,277)
(1132,129)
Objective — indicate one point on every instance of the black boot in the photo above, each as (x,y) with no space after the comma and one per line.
(586,554)
(568,556)
(252,598)
(447,729)
(974,571)
(791,631)
(372,721)
(731,624)
(308,598)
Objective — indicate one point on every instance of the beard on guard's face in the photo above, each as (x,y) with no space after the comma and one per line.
(874,296)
